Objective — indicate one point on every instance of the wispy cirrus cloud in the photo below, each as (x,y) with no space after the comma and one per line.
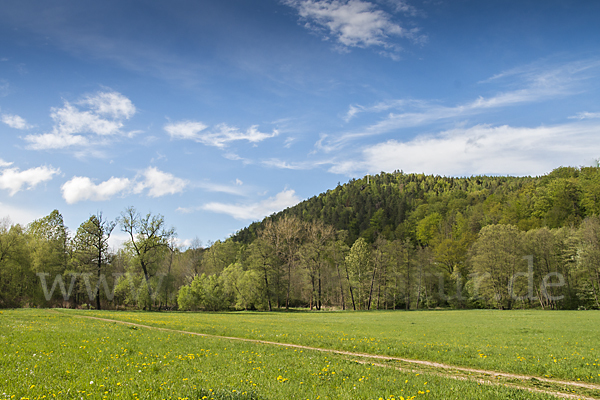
(235,189)
(355,23)
(294,165)
(154,182)
(89,121)
(355,109)
(237,157)
(4,88)
(15,121)
(401,6)
(531,84)
(220,136)
(253,211)
(14,180)
(542,72)
(585,115)
(481,149)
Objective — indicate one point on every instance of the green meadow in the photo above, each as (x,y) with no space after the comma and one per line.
(58,354)
(554,344)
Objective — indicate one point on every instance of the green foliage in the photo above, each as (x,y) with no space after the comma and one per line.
(428,228)
(360,267)
(205,292)
(498,256)
(49,243)
(395,205)
(15,266)
(401,241)
(243,286)
(588,256)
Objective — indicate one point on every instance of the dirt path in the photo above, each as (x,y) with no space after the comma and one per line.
(480,372)
(486,382)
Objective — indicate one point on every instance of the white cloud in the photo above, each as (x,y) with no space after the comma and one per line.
(222,135)
(113,104)
(160,183)
(540,72)
(236,157)
(14,180)
(482,149)
(184,243)
(5,163)
(18,215)
(117,240)
(255,211)
(352,23)
(48,141)
(585,115)
(425,113)
(216,187)
(81,188)
(403,7)
(185,130)
(232,157)
(289,141)
(14,121)
(302,165)
(355,109)
(226,134)
(76,127)
(70,120)
(156,182)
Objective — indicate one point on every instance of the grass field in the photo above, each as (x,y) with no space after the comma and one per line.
(49,354)
(561,344)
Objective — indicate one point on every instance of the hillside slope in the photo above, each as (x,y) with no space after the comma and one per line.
(395,204)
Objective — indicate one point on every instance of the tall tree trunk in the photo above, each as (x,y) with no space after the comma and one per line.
(319,297)
(371,289)
(289,283)
(540,298)
(99,273)
(407,289)
(312,292)
(379,289)
(147,278)
(350,287)
(426,296)
(594,289)
(168,276)
(267,288)
(337,267)
(278,290)
(419,289)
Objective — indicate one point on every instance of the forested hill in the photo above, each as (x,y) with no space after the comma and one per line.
(413,206)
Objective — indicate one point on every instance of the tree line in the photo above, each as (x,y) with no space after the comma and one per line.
(294,263)
(390,241)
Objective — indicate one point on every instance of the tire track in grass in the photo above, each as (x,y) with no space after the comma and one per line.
(431,364)
(482,381)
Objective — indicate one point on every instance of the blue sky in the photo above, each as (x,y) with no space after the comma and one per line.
(216,114)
